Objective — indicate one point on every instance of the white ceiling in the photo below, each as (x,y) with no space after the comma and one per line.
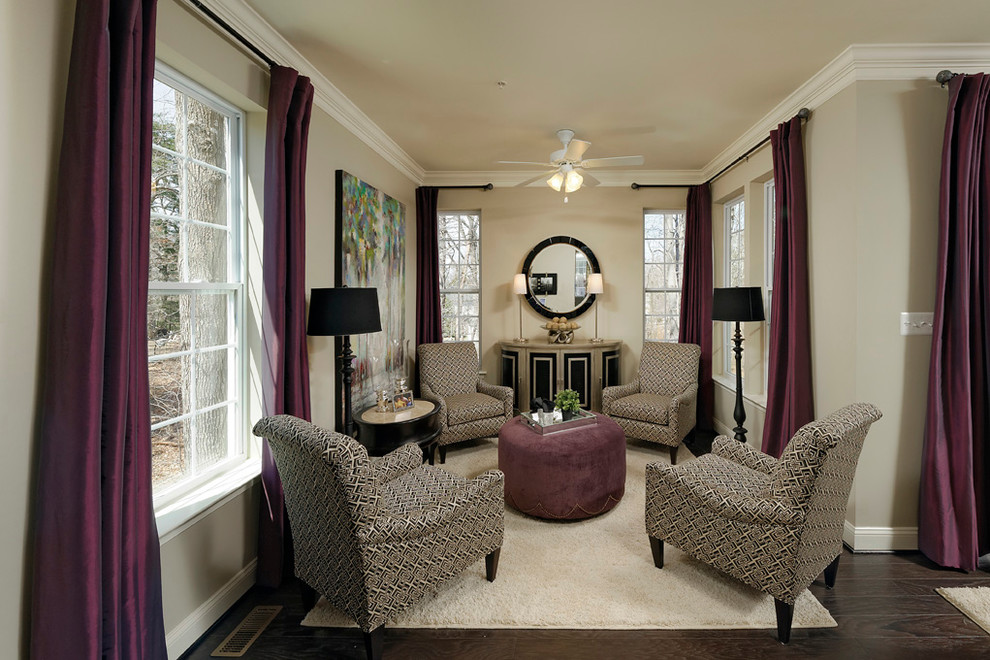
(674,81)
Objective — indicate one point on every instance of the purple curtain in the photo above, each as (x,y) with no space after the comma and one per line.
(696,294)
(428,326)
(97,589)
(954,501)
(790,402)
(285,371)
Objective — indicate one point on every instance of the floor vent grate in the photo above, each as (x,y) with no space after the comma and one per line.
(248,630)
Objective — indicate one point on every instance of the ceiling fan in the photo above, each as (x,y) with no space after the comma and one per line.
(568,163)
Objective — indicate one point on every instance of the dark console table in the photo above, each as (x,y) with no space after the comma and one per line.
(381,432)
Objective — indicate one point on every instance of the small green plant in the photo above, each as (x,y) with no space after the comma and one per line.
(567,400)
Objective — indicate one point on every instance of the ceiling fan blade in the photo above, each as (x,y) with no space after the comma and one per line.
(576,149)
(614,161)
(589,181)
(541,175)
(522,162)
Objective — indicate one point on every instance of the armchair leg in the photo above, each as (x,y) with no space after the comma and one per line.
(785,614)
(309,595)
(673,455)
(443,453)
(830,572)
(374,641)
(656,545)
(431,452)
(491,564)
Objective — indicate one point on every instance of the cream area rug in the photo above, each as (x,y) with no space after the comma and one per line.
(974,602)
(596,573)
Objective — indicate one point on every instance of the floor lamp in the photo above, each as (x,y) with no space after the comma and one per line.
(342,312)
(519,287)
(596,287)
(739,304)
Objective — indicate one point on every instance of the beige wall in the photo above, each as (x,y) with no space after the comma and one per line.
(608,220)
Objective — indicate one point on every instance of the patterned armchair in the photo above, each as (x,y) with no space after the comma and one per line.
(661,405)
(469,407)
(375,535)
(775,524)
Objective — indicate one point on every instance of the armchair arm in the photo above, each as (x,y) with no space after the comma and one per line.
(720,500)
(684,410)
(397,462)
(426,393)
(743,454)
(487,489)
(501,392)
(615,392)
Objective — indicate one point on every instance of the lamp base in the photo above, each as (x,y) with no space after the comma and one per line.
(597,340)
(521,340)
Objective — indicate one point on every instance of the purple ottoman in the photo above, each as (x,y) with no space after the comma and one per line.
(570,474)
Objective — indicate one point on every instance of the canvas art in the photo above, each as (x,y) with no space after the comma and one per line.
(371,252)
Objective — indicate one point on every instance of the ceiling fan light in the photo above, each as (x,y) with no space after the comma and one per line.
(573,181)
(556,181)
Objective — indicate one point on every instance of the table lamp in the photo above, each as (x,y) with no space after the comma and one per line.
(596,287)
(342,312)
(739,304)
(519,287)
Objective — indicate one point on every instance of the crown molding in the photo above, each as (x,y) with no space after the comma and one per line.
(859,62)
(607,179)
(331,100)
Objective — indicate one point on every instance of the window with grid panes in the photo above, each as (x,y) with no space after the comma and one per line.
(663,264)
(196,288)
(735,265)
(459,242)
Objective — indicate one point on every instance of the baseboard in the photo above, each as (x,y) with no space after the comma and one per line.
(722,429)
(184,635)
(879,539)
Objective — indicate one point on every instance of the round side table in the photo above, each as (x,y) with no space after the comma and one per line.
(381,432)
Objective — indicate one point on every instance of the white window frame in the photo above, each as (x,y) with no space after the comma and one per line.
(173,495)
(646,265)
(476,291)
(740,203)
(769,234)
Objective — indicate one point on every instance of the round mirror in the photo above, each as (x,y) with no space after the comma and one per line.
(557,272)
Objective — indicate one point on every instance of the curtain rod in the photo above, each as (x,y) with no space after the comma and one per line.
(226,27)
(484,186)
(803,113)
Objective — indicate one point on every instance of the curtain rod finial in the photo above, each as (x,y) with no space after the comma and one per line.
(944,76)
(634,186)
(803,113)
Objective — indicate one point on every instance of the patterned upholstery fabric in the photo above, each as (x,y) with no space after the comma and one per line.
(644,407)
(375,535)
(469,407)
(774,524)
(668,378)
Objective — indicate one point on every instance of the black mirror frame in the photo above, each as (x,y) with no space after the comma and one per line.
(531,299)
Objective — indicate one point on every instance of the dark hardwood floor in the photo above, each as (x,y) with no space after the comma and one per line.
(885,605)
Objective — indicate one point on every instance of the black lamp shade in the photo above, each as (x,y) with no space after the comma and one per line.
(343,311)
(740,303)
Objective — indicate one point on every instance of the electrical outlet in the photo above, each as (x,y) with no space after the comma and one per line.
(917,323)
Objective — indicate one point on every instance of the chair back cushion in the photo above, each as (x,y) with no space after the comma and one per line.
(448,369)
(330,494)
(667,368)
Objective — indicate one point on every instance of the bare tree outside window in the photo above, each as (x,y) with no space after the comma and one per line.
(459,243)
(194,287)
(663,261)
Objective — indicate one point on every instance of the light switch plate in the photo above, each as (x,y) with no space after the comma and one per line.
(917,323)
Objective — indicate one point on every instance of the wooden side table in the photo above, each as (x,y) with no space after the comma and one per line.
(381,432)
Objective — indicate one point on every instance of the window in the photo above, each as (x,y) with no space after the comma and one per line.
(196,288)
(460,275)
(663,263)
(735,263)
(770,214)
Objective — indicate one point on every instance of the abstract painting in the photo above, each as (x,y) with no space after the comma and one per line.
(371,252)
